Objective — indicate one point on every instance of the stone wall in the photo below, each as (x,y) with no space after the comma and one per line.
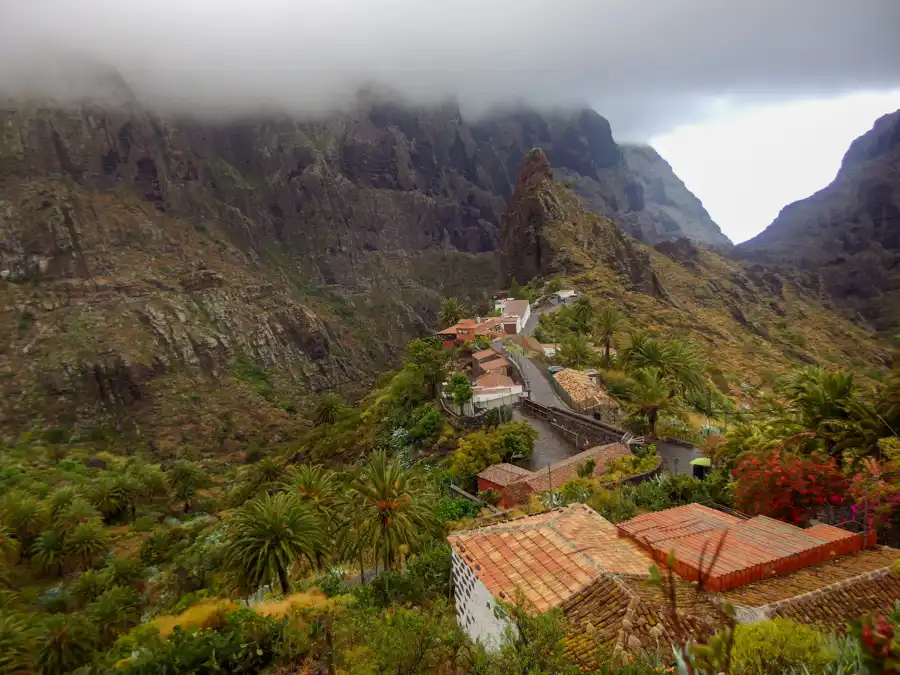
(582,431)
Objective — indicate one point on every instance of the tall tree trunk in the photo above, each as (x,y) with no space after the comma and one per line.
(651,419)
(607,343)
(283,578)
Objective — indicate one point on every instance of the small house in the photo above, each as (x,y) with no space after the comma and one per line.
(562,297)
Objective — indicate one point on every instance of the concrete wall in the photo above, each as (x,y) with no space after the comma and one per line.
(475,606)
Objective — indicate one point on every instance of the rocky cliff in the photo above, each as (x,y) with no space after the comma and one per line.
(849,232)
(752,320)
(148,259)
(670,209)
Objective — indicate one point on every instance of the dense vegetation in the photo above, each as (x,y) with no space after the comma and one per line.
(327,552)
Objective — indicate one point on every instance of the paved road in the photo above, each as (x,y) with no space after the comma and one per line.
(677,458)
(550,447)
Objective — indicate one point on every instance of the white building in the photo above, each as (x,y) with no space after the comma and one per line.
(549,558)
(515,315)
(562,297)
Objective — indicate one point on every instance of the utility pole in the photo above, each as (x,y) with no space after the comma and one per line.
(708,405)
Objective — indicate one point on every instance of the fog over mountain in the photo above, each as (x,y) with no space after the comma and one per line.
(646,66)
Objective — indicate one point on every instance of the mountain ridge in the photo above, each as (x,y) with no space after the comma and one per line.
(849,231)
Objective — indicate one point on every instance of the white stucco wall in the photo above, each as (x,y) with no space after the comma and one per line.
(475,606)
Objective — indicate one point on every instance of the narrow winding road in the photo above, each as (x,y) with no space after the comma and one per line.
(551,447)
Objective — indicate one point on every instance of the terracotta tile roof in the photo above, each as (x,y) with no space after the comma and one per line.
(489,323)
(548,557)
(628,612)
(484,354)
(493,380)
(504,474)
(564,471)
(814,577)
(754,549)
(832,609)
(495,364)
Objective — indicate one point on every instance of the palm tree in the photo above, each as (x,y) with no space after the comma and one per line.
(122,572)
(9,547)
(315,485)
(66,643)
(77,511)
(25,515)
(451,312)
(676,360)
(650,394)
(328,409)
(186,478)
(16,645)
(61,498)
(266,474)
(110,496)
(575,351)
(817,394)
(267,537)
(582,313)
(392,507)
(84,543)
(606,325)
(48,551)
(115,611)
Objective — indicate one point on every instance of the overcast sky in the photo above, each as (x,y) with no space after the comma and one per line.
(651,67)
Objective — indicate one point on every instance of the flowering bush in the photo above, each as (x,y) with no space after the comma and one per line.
(786,486)
(875,499)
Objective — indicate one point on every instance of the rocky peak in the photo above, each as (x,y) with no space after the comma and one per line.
(848,232)
(546,231)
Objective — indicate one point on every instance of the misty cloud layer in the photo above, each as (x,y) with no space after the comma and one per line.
(647,65)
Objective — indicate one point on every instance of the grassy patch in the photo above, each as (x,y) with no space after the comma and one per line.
(245,370)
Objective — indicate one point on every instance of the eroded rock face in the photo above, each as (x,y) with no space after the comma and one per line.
(547,231)
(849,232)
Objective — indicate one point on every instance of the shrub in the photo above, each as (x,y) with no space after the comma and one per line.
(490,496)
(208,614)
(776,646)
(448,510)
(144,524)
(786,486)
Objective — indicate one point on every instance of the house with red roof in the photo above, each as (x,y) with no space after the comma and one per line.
(598,574)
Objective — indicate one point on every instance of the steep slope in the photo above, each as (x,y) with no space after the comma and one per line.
(752,321)
(670,209)
(849,232)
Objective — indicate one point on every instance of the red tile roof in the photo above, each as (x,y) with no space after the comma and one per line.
(494,380)
(548,557)
(753,549)
(484,354)
(564,471)
(495,364)
(504,474)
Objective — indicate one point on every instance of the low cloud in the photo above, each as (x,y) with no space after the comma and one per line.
(648,66)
